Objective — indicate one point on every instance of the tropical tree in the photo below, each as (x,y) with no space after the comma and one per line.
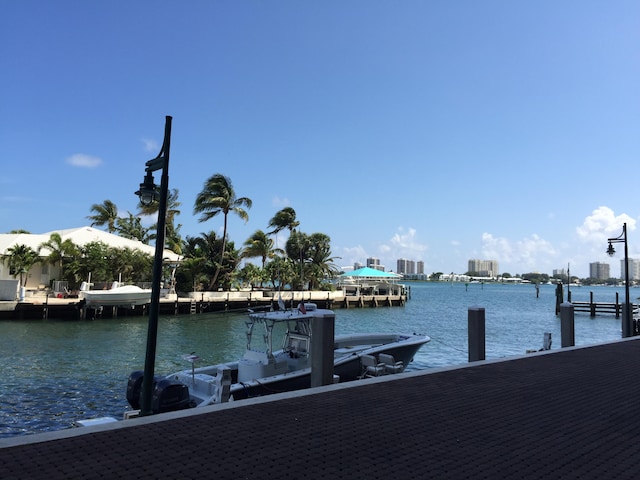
(131,227)
(218,196)
(59,250)
(95,260)
(173,241)
(258,245)
(130,265)
(18,230)
(105,214)
(20,259)
(251,274)
(297,248)
(285,218)
(199,266)
(280,271)
(321,262)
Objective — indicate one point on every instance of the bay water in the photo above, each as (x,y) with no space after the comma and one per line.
(57,371)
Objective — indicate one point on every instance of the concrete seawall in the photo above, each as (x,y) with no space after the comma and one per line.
(39,307)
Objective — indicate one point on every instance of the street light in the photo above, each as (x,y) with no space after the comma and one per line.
(148,193)
(627,326)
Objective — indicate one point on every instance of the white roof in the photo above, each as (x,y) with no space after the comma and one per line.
(80,236)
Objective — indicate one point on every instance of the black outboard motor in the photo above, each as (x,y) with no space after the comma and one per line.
(169,396)
(134,388)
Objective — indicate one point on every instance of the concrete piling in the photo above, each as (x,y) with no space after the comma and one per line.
(476,332)
(322,330)
(567,325)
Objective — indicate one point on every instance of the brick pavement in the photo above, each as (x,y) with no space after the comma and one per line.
(564,414)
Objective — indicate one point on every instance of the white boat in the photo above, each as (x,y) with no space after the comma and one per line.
(263,370)
(117,296)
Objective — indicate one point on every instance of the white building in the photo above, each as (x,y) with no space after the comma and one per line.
(42,273)
(634,269)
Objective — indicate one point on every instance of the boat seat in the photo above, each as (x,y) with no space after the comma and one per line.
(371,367)
(390,364)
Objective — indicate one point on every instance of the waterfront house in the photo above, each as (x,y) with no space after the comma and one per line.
(42,273)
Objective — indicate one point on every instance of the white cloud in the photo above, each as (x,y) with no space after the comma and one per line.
(150,145)
(403,244)
(280,202)
(602,224)
(350,255)
(84,161)
(530,254)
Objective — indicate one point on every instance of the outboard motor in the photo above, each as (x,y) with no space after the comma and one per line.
(169,395)
(134,387)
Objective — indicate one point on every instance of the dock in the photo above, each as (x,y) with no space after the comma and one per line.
(42,307)
(567,413)
(594,308)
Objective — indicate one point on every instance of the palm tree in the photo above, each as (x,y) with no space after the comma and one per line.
(173,241)
(258,245)
(199,253)
(59,250)
(322,263)
(105,214)
(131,227)
(218,196)
(20,259)
(285,218)
(297,248)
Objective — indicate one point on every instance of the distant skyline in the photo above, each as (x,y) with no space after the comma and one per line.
(434,131)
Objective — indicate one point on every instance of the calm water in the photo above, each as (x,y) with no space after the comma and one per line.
(54,372)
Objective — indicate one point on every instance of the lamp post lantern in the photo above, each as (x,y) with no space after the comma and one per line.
(627,326)
(149,193)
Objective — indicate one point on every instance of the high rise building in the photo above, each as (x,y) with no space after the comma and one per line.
(483,268)
(420,267)
(599,270)
(407,267)
(402,266)
(559,273)
(634,269)
(375,263)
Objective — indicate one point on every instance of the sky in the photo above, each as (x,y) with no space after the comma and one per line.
(427,130)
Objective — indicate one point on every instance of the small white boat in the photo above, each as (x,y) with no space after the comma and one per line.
(263,370)
(117,296)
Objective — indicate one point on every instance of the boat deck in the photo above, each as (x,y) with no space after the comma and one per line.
(570,413)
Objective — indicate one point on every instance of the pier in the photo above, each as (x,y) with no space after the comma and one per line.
(595,308)
(43,307)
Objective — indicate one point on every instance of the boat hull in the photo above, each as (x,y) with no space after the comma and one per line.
(128,295)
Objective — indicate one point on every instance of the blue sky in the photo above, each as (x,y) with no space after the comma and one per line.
(428,130)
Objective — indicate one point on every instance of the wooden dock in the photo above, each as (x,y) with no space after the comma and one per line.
(595,308)
(218,302)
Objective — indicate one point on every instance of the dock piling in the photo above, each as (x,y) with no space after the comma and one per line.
(567,330)
(323,329)
(476,333)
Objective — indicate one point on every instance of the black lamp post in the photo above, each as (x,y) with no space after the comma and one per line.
(148,193)
(622,238)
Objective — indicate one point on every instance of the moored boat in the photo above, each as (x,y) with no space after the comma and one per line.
(118,295)
(263,370)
